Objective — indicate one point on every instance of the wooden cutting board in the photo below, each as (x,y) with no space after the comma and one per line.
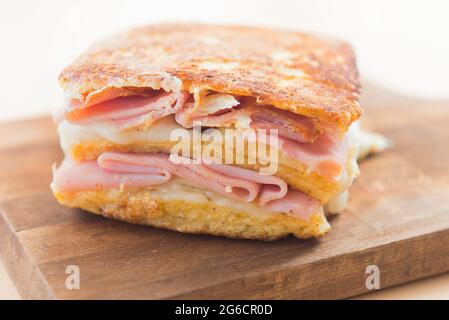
(398,220)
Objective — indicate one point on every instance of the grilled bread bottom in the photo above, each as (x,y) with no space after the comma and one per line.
(148,207)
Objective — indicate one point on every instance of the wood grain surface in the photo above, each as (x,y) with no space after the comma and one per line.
(397,219)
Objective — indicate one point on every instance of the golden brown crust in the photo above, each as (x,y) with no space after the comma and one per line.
(303,73)
(144,207)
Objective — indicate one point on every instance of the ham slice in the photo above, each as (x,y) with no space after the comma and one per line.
(88,175)
(114,169)
(237,183)
(273,187)
(326,156)
(131,111)
(220,119)
(294,203)
(197,174)
(289,125)
(109,93)
(127,108)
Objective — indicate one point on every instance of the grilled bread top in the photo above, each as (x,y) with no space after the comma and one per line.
(303,73)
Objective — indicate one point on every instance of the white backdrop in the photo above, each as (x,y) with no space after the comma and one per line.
(402,45)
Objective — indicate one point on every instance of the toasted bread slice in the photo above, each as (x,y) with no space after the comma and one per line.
(193,214)
(305,74)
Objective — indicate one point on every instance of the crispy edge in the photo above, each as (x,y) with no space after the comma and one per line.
(144,208)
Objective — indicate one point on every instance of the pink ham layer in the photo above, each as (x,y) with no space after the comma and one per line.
(113,169)
(326,155)
(128,112)
(261,118)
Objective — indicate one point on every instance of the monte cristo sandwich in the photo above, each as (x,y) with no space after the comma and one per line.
(236,131)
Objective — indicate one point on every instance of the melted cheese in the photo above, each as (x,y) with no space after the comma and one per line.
(361,144)
(72,134)
(178,189)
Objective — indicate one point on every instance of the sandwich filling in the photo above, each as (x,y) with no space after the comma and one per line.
(125,109)
(119,170)
(119,110)
(136,115)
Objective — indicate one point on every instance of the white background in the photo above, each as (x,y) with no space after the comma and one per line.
(402,45)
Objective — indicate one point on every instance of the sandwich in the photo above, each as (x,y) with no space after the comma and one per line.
(268,121)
